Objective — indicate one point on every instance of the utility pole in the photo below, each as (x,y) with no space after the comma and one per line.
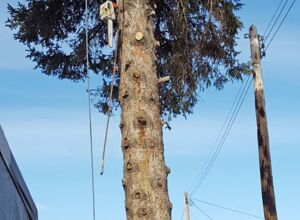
(186,206)
(268,195)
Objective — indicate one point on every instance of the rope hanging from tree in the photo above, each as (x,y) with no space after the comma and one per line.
(89,106)
(109,104)
(107,12)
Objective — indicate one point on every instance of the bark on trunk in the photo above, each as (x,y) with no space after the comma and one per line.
(145,172)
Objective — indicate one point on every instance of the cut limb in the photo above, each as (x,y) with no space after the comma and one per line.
(164,79)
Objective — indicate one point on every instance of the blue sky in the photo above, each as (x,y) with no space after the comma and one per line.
(46,123)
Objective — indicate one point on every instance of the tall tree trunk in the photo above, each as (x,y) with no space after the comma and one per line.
(145,172)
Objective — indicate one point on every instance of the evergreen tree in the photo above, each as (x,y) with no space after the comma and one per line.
(192,41)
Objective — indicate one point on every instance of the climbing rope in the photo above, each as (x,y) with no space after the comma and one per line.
(89,105)
(106,13)
(110,103)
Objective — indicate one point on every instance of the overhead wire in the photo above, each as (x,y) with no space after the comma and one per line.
(225,135)
(219,135)
(228,209)
(89,107)
(201,210)
(279,26)
(272,19)
(214,148)
(221,142)
(227,131)
(242,96)
(276,20)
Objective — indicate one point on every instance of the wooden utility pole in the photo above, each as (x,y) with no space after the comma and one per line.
(268,195)
(186,206)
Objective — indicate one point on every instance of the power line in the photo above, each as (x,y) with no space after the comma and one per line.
(89,107)
(228,209)
(217,150)
(275,22)
(203,212)
(225,135)
(272,19)
(219,134)
(286,14)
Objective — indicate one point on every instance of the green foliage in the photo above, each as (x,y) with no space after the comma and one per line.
(197,38)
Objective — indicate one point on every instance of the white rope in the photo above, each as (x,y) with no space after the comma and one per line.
(89,101)
(109,104)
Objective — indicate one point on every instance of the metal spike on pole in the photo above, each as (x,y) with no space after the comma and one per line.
(268,195)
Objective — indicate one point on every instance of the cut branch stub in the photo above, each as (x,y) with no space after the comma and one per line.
(139,195)
(128,212)
(150,12)
(139,36)
(136,75)
(125,143)
(124,183)
(168,170)
(129,166)
(163,79)
(157,44)
(127,65)
(150,143)
(125,94)
(152,96)
(121,125)
(170,205)
(143,211)
(159,182)
(142,121)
